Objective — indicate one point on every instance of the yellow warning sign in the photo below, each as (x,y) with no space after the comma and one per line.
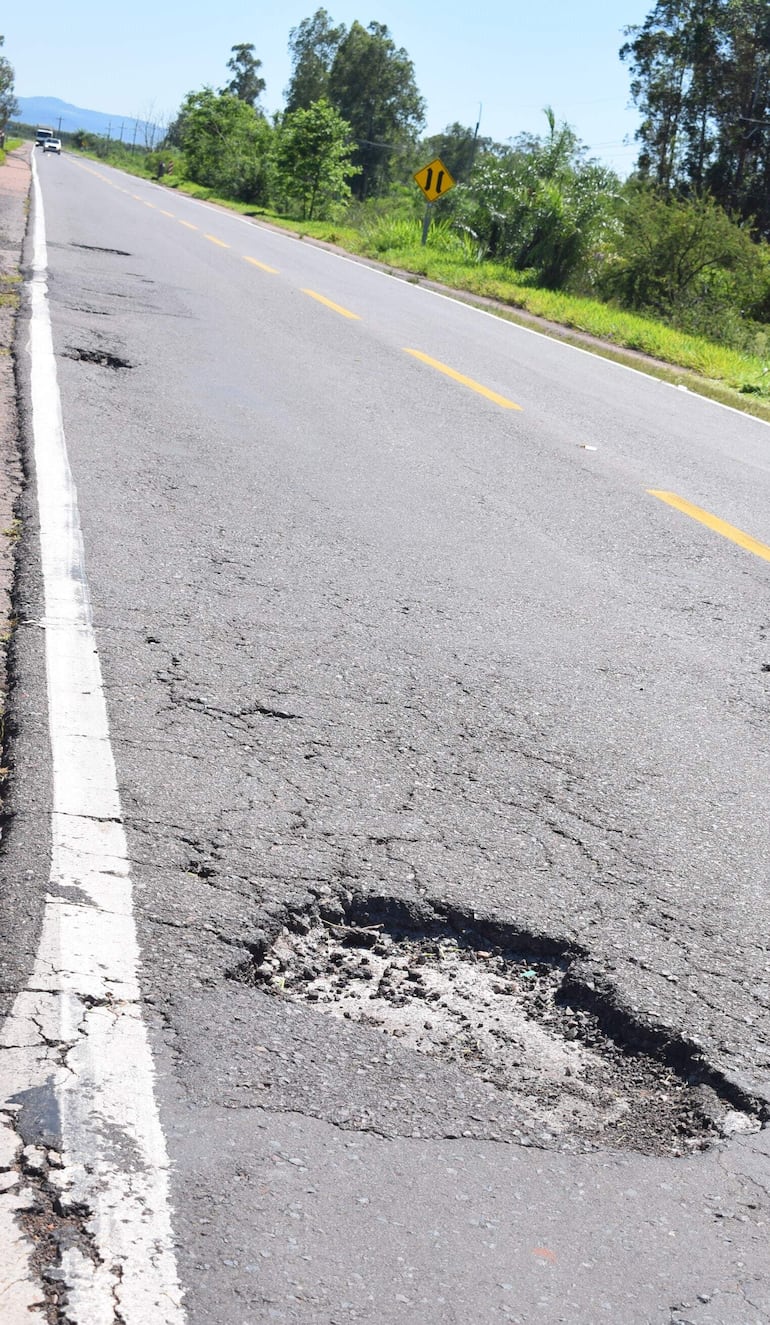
(434,180)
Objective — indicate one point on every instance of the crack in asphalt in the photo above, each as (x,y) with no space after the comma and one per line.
(350,787)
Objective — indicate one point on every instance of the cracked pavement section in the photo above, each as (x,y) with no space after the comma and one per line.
(511,689)
(426,787)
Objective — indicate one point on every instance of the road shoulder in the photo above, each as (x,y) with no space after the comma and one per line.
(15,174)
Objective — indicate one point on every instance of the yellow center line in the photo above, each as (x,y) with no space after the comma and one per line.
(213,240)
(713,522)
(466,381)
(149,204)
(170,214)
(189,224)
(262,265)
(138,197)
(337,308)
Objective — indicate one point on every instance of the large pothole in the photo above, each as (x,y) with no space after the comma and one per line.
(510,1014)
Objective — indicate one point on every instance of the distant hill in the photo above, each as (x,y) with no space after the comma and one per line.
(65,118)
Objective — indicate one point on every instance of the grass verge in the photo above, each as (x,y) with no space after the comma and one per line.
(10,145)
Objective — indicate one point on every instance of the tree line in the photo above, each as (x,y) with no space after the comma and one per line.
(352,107)
(684,238)
(701,79)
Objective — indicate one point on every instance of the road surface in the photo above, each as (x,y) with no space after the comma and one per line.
(376,657)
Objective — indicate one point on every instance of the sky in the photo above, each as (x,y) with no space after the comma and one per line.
(507,61)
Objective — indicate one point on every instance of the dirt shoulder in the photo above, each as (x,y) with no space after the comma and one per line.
(15,176)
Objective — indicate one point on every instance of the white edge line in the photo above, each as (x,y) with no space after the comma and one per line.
(76,1035)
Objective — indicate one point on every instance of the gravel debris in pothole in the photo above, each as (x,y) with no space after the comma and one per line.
(501,1016)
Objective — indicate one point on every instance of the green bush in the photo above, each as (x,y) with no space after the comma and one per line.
(539,206)
(226,145)
(685,260)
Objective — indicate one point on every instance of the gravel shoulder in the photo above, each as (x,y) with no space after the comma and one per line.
(15,175)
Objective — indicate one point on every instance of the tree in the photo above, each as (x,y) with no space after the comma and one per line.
(313,46)
(225,142)
(372,85)
(149,127)
(701,78)
(458,148)
(246,83)
(660,52)
(739,174)
(311,157)
(8,103)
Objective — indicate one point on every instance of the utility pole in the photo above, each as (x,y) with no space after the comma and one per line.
(474,144)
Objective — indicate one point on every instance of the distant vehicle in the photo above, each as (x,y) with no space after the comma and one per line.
(52,145)
(43,135)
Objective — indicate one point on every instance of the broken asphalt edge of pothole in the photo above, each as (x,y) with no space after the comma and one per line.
(726,1101)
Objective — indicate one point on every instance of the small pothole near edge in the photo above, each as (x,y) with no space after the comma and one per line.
(98,248)
(508,1012)
(101,357)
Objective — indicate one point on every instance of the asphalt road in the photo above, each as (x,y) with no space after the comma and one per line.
(367,626)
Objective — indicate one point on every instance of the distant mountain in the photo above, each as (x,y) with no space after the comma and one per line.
(62,117)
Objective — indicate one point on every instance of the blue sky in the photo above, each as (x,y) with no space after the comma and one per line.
(141,59)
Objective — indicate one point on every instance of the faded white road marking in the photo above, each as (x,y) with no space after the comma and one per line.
(75,1044)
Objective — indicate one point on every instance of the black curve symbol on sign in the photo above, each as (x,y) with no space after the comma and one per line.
(429,180)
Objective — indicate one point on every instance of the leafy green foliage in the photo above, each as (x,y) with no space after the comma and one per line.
(246,83)
(685,260)
(8,104)
(669,249)
(734,359)
(369,82)
(457,147)
(541,207)
(402,202)
(701,78)
(311,158)
(226,144)
(312,46)
(372,85)
(536,215)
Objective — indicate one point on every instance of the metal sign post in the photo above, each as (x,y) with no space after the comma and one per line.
(434,180)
